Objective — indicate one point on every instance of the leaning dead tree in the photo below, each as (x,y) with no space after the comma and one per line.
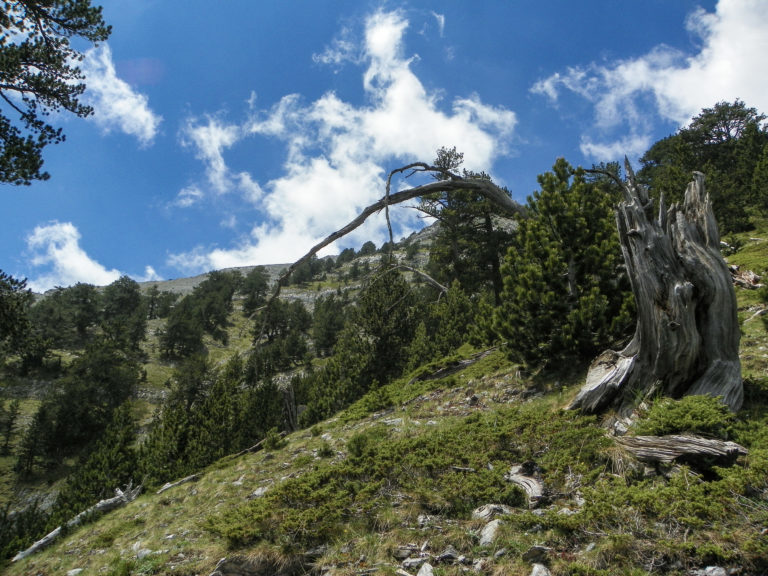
(686,340)
(121,498)
(687,334)
(452,183)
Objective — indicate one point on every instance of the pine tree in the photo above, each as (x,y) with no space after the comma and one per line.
(112,463)
(15,300)
(564,294)
(385,316)
(254,289)
(40,75)
(470,241)
(124,317)
(724,142)
(327,321)
(8,421)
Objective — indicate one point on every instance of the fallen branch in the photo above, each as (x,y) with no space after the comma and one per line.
(122,497)
(169,485)
(425,276)
(760,312)
(674,447)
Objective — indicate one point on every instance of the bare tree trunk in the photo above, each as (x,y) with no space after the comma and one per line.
(121,498)
(687,335)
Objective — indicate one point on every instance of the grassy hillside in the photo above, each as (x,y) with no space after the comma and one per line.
(392,482)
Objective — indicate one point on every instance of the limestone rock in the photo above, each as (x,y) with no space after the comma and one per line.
(403,552)
(448,556)
(489,533)
(710,571)
(540,570)
(425,570)
(536,554)
(413,563)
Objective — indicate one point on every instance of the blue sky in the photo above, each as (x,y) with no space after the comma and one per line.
(240,133)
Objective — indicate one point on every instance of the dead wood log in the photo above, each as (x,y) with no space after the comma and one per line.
(121,498)
(169,485)
(675,447)
(518,475)
(686,339)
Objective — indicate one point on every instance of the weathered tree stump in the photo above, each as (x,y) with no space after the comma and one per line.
(687,336)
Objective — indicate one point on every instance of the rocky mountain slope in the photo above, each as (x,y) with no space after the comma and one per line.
(466,465)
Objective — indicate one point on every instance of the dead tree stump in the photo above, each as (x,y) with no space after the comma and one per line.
(686,339)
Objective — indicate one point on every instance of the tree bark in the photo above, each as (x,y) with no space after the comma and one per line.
(121,498)
(686,339)
(687,448)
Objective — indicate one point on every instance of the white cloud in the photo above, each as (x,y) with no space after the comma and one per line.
(343,49)
(57,247)
(338,153)
(150,274)
(631,146)
(210,139)
(188,196)
(440,18)
(669,83)
(116,105)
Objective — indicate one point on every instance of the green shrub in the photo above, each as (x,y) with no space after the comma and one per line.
(691,414)
(325,450)
(273,440)
(365,443)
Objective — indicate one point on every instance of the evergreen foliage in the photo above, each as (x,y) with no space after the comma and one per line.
(20,528)
(39,68)
(205,310)
(80,408)
(386,318)
(9,419)
(113,463)
(306,271)
(564,296)
(279,339)
(208,414)
(444,327)
(327,321)
(564,290)
(367,249)
(15,300)
(254,289)
(726,143)
(124,315)
(159,304)
(470,243)
(183,332)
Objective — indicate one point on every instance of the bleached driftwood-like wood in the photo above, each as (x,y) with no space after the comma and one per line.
(532,487)
(687,334)
(121,498)
(675,447)
(169,485)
